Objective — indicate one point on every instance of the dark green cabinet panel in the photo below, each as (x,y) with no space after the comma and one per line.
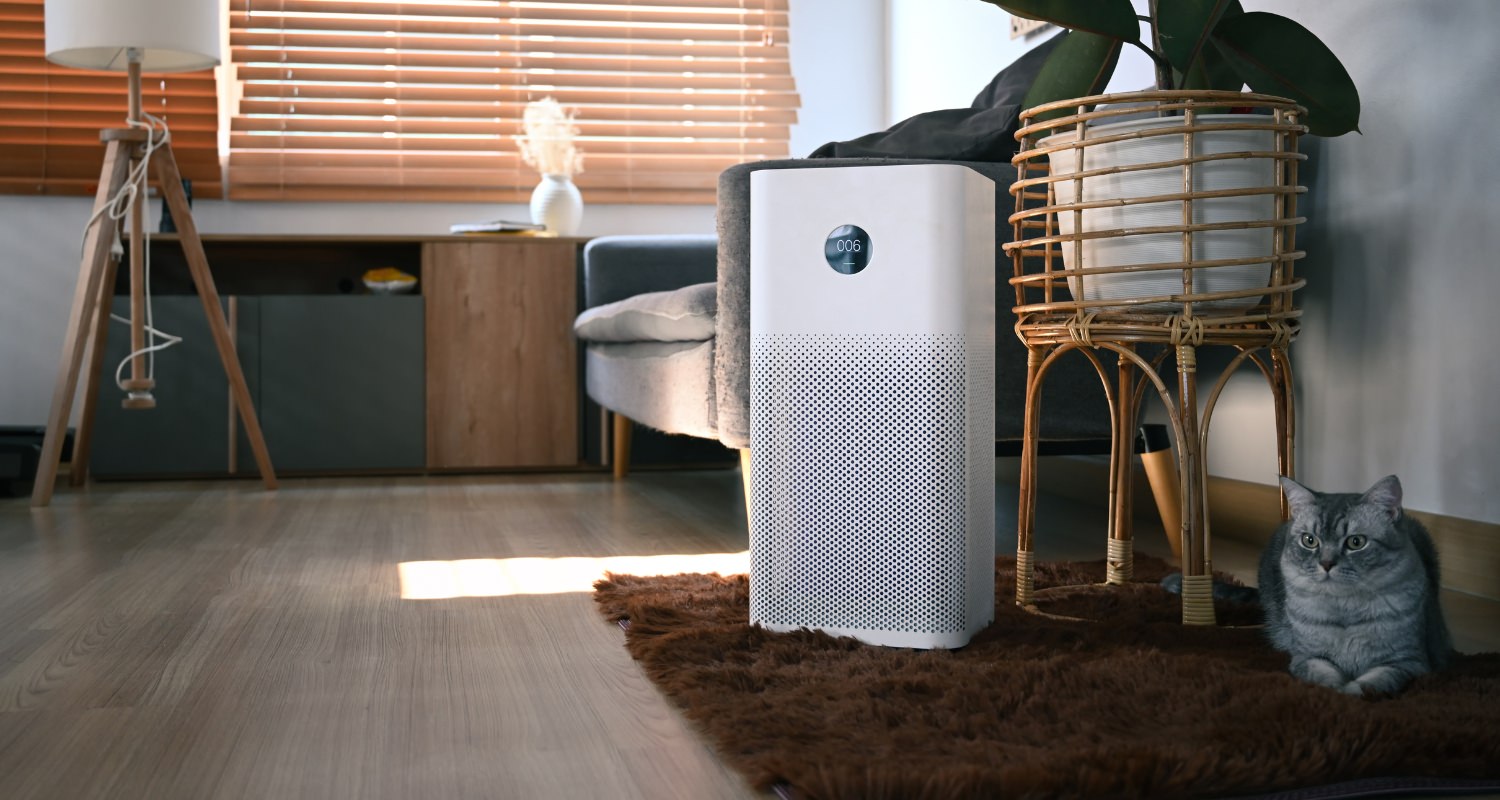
(337,382)
(188,431)
(341,382)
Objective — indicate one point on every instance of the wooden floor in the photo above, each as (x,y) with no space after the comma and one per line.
(208,640)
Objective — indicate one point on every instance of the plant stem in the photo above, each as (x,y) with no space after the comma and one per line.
(1163,67)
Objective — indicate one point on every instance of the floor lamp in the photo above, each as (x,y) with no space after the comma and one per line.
(133,36)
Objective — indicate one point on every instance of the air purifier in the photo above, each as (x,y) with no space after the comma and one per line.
(872,434)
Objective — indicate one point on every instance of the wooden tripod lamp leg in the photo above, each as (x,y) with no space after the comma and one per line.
(84,441)
(80,318)
(164,165)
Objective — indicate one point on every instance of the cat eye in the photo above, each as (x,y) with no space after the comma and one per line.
(1356,542)
(1310,541)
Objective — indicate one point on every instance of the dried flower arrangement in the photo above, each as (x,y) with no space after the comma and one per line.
(547,145)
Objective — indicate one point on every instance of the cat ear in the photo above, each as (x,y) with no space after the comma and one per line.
(1386,494)
(1299,497)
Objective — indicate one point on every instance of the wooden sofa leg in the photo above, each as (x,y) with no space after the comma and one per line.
(1161,473)
(622,429)
(745,478)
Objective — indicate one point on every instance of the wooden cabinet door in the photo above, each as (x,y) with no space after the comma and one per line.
(502,375)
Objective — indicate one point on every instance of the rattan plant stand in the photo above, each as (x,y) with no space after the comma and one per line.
(1135,226)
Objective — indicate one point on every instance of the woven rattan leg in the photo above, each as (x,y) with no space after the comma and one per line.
(1026,505)
(1286,418)
(1198,600)
(1197,605)
(1120,555)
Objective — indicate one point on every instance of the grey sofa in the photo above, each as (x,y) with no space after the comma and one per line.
(695,381)
(673,350)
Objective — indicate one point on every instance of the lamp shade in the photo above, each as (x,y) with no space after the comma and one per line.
(173,35)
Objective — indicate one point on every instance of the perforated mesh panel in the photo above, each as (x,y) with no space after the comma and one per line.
(863,479)
(981,508)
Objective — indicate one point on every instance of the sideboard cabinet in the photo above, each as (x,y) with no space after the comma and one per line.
(476,370)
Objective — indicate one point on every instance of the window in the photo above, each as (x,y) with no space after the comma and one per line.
(50,115)
(422,99)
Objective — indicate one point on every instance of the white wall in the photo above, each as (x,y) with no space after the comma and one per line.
(1395,368)
(942,52)
(840,78)
(839,61)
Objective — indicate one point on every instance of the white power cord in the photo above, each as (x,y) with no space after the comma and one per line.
(117,209)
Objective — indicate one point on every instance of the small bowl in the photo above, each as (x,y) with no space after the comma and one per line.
(391,287)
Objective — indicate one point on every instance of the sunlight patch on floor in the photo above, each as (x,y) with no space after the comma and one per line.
(499,577)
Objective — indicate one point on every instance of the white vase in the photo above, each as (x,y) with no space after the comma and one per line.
(557,204)
(1239,173)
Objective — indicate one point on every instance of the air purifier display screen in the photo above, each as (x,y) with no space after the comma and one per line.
(848,249)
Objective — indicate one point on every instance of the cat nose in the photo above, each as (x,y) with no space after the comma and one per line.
(1327,566)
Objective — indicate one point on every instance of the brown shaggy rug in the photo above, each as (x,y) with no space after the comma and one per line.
(1134,706)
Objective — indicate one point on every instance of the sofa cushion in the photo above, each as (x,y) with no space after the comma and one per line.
(668,386)
(682,315)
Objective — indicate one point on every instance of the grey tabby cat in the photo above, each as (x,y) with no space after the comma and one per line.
(1350,589)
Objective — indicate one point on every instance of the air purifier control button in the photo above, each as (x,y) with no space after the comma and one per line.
(848,249)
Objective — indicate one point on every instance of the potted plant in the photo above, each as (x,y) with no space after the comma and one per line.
(1201,49)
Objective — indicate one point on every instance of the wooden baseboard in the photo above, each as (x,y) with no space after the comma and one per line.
(1250,512)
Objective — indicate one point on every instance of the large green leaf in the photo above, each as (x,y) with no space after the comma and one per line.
(1212,71)
(1079,66)
(1277,56)
(1115,18)
(1185,25)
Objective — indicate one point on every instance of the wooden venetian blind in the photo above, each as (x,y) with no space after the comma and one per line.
(381,99)
(51,115)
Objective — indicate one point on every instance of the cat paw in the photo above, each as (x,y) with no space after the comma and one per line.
(1322,672)
(1383,681)
(1353,688)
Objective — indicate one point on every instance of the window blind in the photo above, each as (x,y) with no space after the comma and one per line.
(50,115)
(422,100)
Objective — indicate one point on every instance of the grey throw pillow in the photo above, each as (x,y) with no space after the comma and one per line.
(681,315)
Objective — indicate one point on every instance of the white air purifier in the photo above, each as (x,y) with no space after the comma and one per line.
(872,434)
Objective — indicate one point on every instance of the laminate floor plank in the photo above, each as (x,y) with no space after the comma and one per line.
(210,640)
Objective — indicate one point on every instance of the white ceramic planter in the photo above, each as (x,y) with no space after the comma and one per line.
(557,204)
(1239,173)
